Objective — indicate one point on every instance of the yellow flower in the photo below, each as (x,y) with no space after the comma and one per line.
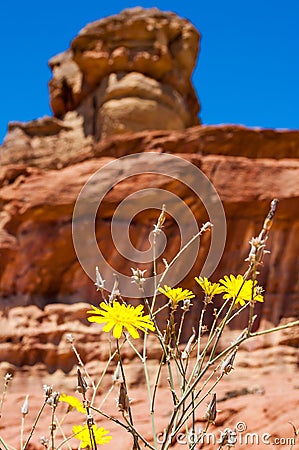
(83,434)
(121,316)
(176,295)
(210,289)
(73,402)
(249,291)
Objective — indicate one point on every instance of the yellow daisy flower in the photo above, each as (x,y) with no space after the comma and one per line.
(83,434)
(232,287)
(119,316)
(73,402)
(176,295)
(210,289)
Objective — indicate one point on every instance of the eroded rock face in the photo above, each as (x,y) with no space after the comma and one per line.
(247,167)
(45,163)
(132,72)
(129,72)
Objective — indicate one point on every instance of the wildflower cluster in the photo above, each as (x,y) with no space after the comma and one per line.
(236,288)
(192,370)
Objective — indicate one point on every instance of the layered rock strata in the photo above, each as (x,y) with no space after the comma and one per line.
(46,162)
(247,167)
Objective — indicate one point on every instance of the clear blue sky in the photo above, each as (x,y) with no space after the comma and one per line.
(247,71)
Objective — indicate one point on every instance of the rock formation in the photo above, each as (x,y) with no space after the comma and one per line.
(124,88)
(128,73)
(46,162)
(39,189)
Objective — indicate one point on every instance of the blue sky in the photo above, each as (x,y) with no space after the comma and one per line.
(247,71)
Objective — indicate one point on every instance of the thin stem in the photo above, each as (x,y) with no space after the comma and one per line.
(135,349)
(239,310)
(204,228)
(171,382)
(147,381)
(272,330)
(4,444)
(154,271)
(65,441)
(130,422)
(52,428)
(34,424)
(180,327)
(203,432)
(22,431)
(58,424)
(224,321)
(7,378)
(81,364)
(155,313)
(199,362)
(200,328)
(147,444)
(106,395)
(193,414)
(112,356)
(156,384)
(257,333)
(92,437)
(152,412)
(111,418)
(186,416)
(220,329)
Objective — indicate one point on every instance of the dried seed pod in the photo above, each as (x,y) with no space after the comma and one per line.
(227,364)
(123,399)
(211,411)
(82,386)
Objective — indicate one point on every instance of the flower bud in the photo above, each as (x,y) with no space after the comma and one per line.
(24,409)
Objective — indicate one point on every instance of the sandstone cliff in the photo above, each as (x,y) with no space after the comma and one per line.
(46,162)
(124,88)
(45,174)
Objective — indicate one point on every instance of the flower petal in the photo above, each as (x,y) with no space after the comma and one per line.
(117,331)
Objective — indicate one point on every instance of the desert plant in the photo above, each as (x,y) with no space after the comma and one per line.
(193,368)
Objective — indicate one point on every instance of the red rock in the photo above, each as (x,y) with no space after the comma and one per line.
(128,73)
(45,292)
